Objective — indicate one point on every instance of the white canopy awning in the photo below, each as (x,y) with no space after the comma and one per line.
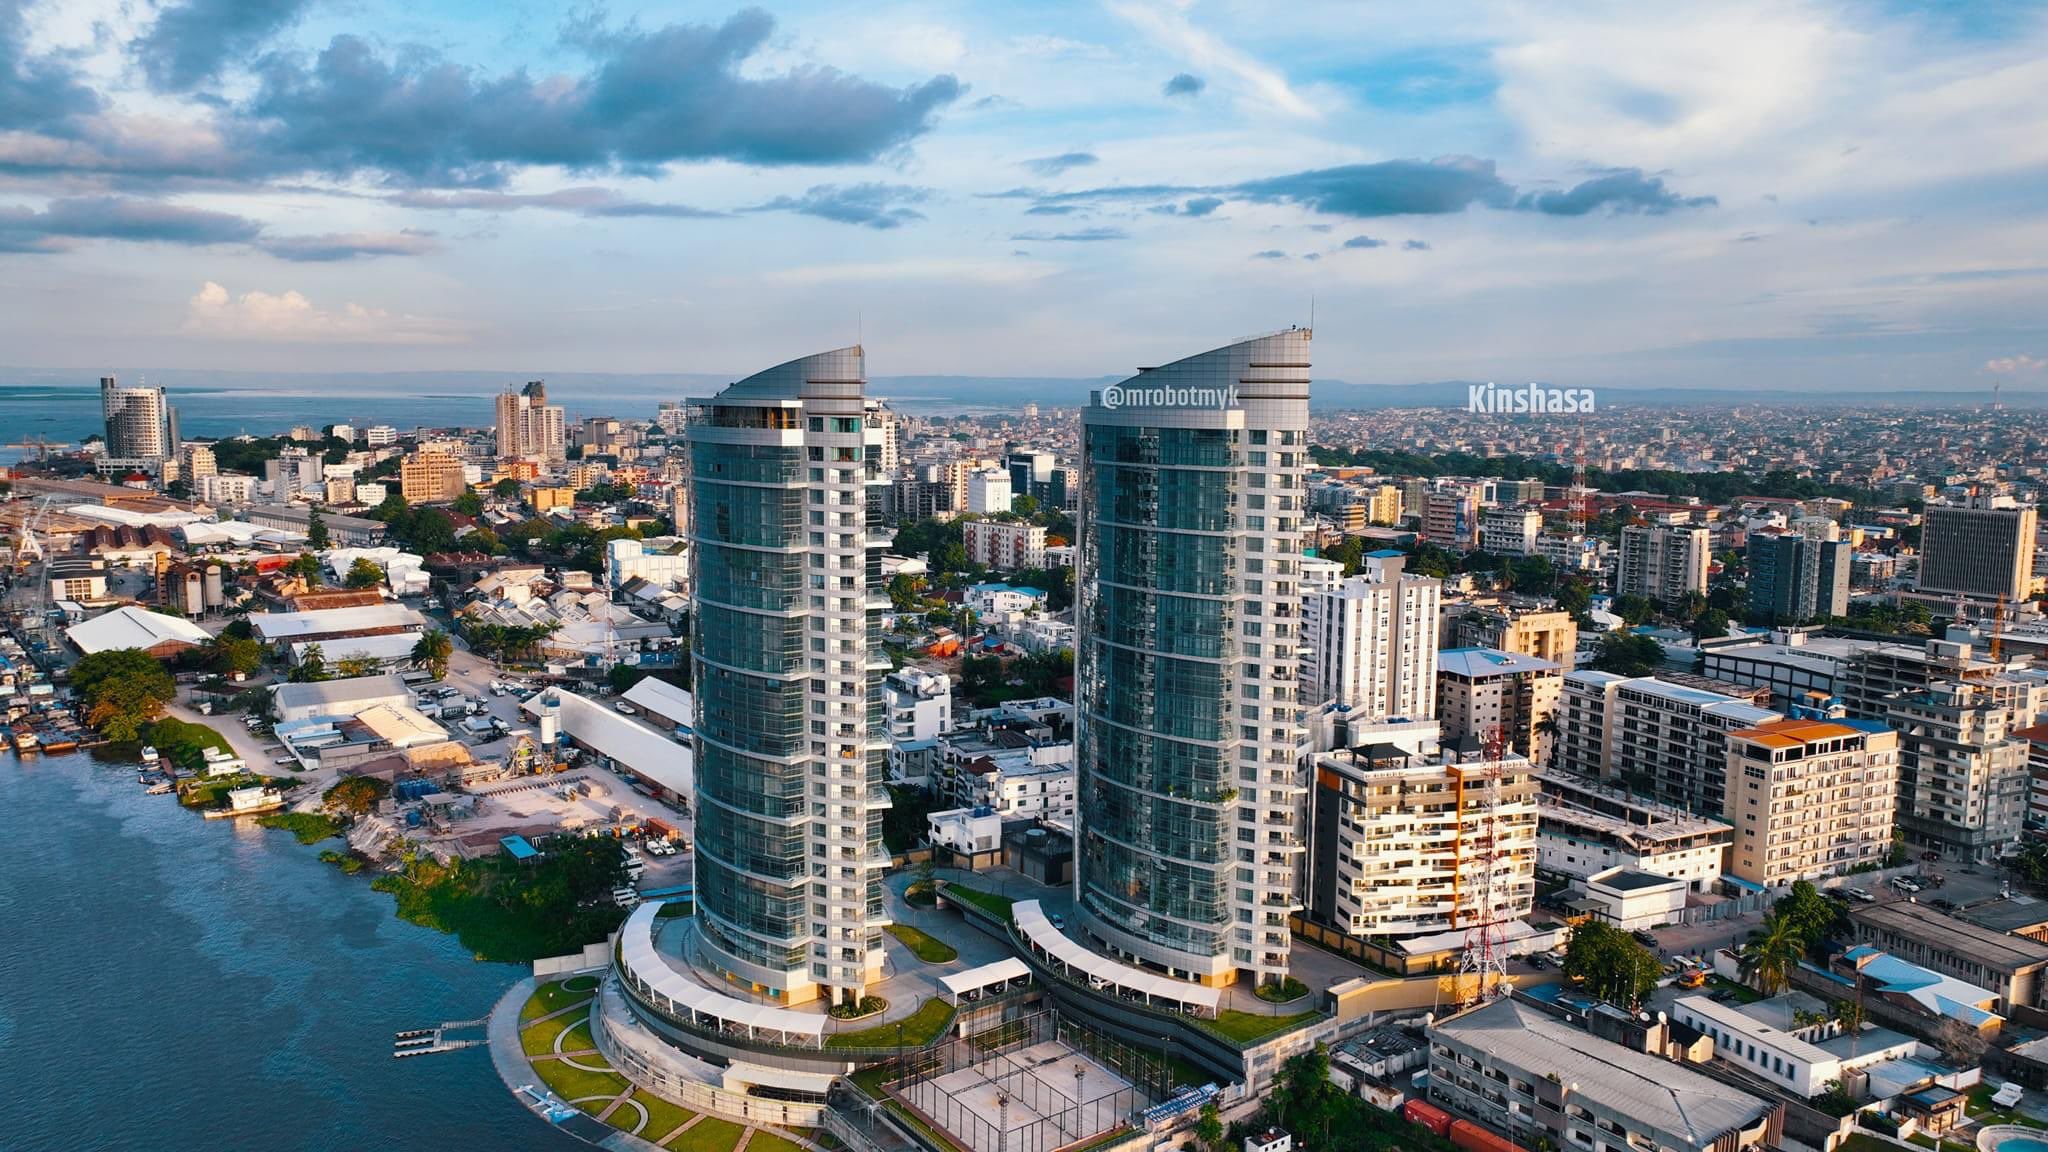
(1105,973)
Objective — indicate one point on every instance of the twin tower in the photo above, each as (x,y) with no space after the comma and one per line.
(1189,628)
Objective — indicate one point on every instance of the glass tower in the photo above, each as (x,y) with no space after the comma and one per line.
(785,502)
(1190,726)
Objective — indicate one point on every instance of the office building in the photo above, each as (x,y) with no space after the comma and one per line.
(1798,668)
(1370,643)
(1523,1069)
(1004,546)
(1538,630)
(1810,799)
(141,425)
(1185,674)
(429,477)
(1488,694)
(1510,531)
(1039,475)
(529,426)
(1872,674)
(1450,516)
(1395,833)
(1983,549)
(1668,741)
(1662,562)
(380,436)
(1585,827)
(2007,964)
(1962,767)
(1794,577)
(790,754)
(988,491)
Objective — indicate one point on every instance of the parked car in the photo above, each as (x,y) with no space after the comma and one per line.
(1863,894)
(1645,937)
(624,707)
(1538,963)
(1945,904)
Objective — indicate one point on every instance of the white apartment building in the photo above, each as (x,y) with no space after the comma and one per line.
(1810,798)
(988,491)
(1585,827)
(1019,791)
(1394,833)
(1371,642)
(1510,531)
(1003,546)
(380,435)
(917,705)
(1963,778)
(225,488)
(1667,740)
(1663,562)
(1319,575)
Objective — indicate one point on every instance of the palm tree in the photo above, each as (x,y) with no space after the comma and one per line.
(1771,955)
(1849,1014)
(432,650)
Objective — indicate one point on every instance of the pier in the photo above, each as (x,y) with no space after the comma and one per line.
(428,1041)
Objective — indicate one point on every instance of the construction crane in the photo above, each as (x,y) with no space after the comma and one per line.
(39,444)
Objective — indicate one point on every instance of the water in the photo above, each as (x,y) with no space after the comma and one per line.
(187,986)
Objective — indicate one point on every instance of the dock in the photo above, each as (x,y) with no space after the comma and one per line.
(428,1041)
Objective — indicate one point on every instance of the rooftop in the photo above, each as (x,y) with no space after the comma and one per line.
(133,627)
(1650,1090)
(1473,663)
(1996,950)
(274,626)
(2012,914)
(291,697)
(1793,733)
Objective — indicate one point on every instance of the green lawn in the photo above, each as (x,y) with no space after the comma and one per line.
(1980,1109)
(1864,1142)
(576,1084)
(1245,1027)
(769,1142)
(578,1038)
(919,1028)
(309,827)
(549,997)
(710,1134)
(625,1117)
(928,949)
(539,1039)
(580,984)
(662,1116)
(1742,993)
(999,906)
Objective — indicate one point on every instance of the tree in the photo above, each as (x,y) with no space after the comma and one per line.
(122,690)
(306,566)
(506,489)
(352,666)
(1573,597)
(433,649)
(1610,964)
(468,504)
(312,666)
(1304,1100)
(1772,954)
(1209,1127)
(1812,915)
(363,573)
(356,795)
(316,529)
(903,591)
(1710,624)
(1627,654)
(231,655)
(1633,609)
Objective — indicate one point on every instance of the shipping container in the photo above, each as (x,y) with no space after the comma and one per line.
(1426,1114)
(1472,1138)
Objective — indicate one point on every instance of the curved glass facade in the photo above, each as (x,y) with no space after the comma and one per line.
(1190,522)
(788,688)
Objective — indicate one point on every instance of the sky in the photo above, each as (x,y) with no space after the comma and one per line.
(1782,196)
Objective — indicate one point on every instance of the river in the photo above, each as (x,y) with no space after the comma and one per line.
(180,985)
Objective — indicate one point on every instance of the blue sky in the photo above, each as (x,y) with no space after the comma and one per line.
(1776,195)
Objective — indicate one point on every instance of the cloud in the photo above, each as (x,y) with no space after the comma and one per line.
(869,205)
(1364,242)
(1414,245)
(1270,254)
(191,42)
(1388,188)
(1050,210)
(62,222)
(1185,84)
(584,201)
(2015,365)
(678,93)
(1054,165)
(1201,205)
(289,317)
(37,93)
(335,246)
(1169,26)
(1622,190)
(1081,236)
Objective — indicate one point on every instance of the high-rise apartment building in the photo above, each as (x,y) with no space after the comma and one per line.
(1982,549)
(1384,507)
(988,491)
(1796,577)
(1003,545)
(790,750)
(1370,643)
(1510,531)
(1667,741)
(1186,665)
(141,425)
(1662,561)
(1395,834)
(1810,798)
(529,426)
(1485,693)
(1962,768)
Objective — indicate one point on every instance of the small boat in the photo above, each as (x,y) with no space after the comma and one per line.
(160,788)
(149,755)
(25,741)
